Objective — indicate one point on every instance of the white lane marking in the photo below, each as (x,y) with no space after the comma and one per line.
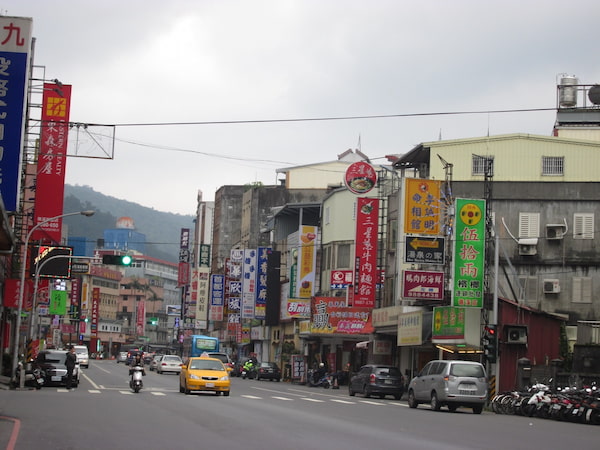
(312,400)
(343,401)
(371,403)
(93,391)
(283,398)
(158,393)
(90,381)
(251,396)
(126,392)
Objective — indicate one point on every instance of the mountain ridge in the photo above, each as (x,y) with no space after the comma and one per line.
(162,229)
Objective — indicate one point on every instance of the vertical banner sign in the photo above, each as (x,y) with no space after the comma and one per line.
(469,253)
(367,227)
(307,262)
(249,284)
(50,183)
(217,298)
(234,288)
(260,310)
(15,46)
(203,276)
(204,258)
(58,303)
(423,212)
(76,294)
(140,318)
(183,275)
(193,294)
(95,311)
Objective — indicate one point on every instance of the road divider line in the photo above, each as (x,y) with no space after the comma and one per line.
(312,400)
(283,398)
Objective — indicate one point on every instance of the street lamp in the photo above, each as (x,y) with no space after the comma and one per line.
(22,285)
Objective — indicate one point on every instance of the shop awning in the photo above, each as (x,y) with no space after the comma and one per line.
(362,344)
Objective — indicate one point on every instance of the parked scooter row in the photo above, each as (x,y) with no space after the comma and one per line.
(33,376)
(568,404)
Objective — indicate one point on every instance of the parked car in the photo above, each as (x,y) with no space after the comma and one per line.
(155,362)
(122,357)
(268,371)
(451,384)
(377,379)
(52,364)
(169,363)
(204,374)
(224,357)
(83,357)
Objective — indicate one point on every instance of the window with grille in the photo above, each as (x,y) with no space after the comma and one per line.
(583,226)
(479,164)
(529,225)
(553,165)
(582,290)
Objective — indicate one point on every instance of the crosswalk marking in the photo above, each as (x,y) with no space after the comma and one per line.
(283,398)
(252,397)
(346,402)
(312,400)
(158,393)
(372,403)
(93,391)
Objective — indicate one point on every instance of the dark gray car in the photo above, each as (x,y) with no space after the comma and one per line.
(377,379)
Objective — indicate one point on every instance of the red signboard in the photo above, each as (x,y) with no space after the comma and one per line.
(360,177)
(367,227)
(95,311)
(423,284)
(329,315)
(50,183)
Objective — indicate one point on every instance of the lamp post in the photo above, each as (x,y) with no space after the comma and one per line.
(22,285)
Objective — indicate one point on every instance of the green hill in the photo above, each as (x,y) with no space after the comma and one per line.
(162,229)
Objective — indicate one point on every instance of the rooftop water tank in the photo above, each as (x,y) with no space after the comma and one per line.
(567,91)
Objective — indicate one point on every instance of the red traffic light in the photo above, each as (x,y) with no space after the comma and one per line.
(490,330)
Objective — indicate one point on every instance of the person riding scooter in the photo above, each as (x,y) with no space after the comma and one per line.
(248,369)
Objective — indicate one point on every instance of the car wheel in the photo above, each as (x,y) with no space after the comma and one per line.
(412,401)
(180,388)
(477,409)
(257,378)
(186,390)
(226,393)
(397,396)
(366,393)
(435,404)
(452,408)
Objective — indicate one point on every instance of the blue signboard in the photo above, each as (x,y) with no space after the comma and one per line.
(15,44)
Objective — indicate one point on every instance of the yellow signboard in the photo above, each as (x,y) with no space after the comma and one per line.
(423,207)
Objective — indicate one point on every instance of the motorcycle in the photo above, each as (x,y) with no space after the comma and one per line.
(33,376)
(249,373)
(324,381)
(135,383)
(540,402)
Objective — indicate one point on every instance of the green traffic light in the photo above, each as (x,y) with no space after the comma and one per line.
(126,260)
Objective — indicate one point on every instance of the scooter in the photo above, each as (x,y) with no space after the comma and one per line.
(249,373)
(324,381)
(33,376)
(135,383)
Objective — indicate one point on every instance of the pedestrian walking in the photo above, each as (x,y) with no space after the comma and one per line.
(70,363)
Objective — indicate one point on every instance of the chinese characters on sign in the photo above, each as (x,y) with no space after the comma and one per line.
(15,46)
(422,213)
(217,297)
(367,228)
(360,177)
(260,309)
(50,183)
(469,252)
(422,284)
(448,322)
(307,262)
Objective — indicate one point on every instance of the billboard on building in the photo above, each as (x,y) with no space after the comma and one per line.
(307,262)
(52,161)
(15,48)
(422,213)
(367,234)
(329,315)
(469,253)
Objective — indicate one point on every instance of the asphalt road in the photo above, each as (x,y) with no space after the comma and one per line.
(104,414)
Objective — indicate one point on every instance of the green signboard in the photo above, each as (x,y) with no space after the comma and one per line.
(469,253)
(58,303)
(448,322)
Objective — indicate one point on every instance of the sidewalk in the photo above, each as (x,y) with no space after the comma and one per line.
(4,382)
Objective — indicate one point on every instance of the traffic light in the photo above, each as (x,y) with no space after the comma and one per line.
(153,320)
(117,260)
(490,343)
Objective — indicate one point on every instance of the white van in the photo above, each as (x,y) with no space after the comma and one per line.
(83,357)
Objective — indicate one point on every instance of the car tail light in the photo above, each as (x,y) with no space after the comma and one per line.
(372,378)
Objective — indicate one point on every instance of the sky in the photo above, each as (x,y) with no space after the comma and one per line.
(210,93)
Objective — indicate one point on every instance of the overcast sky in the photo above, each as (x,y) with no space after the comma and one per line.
(138,63)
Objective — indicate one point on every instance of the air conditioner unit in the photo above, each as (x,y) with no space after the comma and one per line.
(528,246)
(527,250)
(516,334)
(555,231)
(551,286)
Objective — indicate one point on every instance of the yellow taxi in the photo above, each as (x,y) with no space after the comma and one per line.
(204,374)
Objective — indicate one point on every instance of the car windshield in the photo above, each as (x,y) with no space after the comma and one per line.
(55,357)
(467,370)
(205,365)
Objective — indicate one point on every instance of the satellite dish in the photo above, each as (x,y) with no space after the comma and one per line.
(594,94)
